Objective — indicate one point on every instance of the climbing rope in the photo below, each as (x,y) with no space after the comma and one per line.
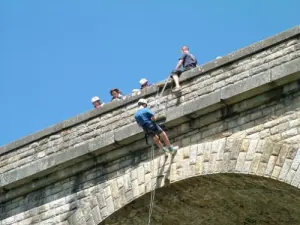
(152,195)
(153,190)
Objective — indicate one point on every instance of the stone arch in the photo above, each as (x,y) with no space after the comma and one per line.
(215,199)
(237,155)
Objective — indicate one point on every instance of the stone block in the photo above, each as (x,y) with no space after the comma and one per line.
(140,175)
(270,166)
(282,155)
(76,217)
(201,103)
(296,161)
(294,123)
(279,128)
(289,133)
(285,169)
(110,205)
(235,148)
(240,162)
(193,154)
(261,169)
(245,85)
(255,163)
(291,67)
(246,167)
(127,133)
(251,150)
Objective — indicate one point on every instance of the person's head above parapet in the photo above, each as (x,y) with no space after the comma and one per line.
(184,49)
(116,93)
(144,83)
(142,103)
(96,101)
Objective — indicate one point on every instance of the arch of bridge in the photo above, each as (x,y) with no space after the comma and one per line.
(213,200)
(260,161)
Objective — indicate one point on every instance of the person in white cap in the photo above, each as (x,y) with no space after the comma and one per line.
(96,102)
(144,83)
(146,120)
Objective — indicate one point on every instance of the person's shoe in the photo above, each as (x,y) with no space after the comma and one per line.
(173,149)
(165,150)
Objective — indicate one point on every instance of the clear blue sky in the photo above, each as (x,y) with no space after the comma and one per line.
(55,55)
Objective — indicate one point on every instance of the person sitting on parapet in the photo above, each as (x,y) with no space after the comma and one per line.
(146,120)
(96,102)
(144,83)
(116,94)
(187,61)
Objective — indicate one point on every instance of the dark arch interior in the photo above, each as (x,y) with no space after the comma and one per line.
(221,199)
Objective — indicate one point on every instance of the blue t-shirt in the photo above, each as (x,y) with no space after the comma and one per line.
(188,60)
(143,117)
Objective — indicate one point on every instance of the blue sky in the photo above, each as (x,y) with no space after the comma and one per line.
(56,55)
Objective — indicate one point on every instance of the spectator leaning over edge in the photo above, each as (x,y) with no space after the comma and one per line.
(187,61)
(116,94)
(144,83)
(96,102)
(146,120)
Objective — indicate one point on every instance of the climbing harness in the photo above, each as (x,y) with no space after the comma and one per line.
(152,195)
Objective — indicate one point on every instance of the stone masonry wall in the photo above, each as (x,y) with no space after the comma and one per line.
(256,139)
(205,84)
(214,199)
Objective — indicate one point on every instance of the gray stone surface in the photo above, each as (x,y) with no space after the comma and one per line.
(214,200)
(132,132)
(242,53)
(241,118)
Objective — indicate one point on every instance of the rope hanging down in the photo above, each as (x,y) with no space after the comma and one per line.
(152,196)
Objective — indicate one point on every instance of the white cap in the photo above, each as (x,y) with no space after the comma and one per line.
(219,57)
(143,81)
(94,99)
(143,101)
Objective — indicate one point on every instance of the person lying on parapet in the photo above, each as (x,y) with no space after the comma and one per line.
(144,83)
(187,61)
(116,94)
(145,118)
(96,102)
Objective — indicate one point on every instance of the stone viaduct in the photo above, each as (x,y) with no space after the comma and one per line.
(236,121)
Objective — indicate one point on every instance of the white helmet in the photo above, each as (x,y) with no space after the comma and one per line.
(142,101)
(94,99)
(143,81)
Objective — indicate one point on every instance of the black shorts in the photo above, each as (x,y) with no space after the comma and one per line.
(179,72)
(153,129)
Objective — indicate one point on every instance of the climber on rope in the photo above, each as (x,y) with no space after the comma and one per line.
(96,102)
(146,120)
(187,61)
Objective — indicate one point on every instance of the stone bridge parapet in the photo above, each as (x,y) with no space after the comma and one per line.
(238,114)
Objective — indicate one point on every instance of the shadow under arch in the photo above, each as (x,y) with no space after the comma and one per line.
(216,199)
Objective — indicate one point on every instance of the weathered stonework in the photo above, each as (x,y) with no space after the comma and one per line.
(229,199)
(239,115)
